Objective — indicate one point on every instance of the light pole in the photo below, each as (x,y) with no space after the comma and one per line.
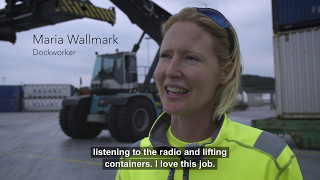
(147,38)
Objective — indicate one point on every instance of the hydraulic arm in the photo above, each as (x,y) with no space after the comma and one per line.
(145,14)
(22,15)
(149,17)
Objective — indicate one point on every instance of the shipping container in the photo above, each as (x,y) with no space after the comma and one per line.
(10,105)
(72,90)
(266,98)
(8,92)
(47,90)
(297,73)
(255,99)
(42,104)
(295,14)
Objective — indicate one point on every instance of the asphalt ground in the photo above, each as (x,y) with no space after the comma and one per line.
(34,147)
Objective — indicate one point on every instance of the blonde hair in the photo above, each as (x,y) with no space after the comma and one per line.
(225,96)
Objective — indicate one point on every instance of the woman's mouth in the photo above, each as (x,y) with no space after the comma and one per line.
(175,90)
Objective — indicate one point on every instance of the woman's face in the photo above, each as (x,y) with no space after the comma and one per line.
(187,73)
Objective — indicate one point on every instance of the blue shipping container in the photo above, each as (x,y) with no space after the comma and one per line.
(10,92)
(295,14)
(10,105)
(72,90)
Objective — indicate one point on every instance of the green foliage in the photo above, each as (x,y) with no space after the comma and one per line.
(257,82)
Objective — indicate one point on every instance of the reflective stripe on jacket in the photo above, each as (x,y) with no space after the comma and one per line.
(253,154)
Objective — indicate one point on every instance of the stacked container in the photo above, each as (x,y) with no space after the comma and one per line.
(45,97)
(10,98)
(297,70)
(295,14)
(296,41)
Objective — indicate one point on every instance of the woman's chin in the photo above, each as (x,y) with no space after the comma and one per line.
(174,110)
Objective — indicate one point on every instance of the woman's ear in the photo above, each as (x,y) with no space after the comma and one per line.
(225,73)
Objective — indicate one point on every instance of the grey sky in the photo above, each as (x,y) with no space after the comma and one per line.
(252,20)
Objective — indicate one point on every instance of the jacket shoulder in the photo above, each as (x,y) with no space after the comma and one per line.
(264,141)
(243,134)
(270,143)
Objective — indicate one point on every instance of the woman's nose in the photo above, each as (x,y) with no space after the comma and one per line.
(174,68)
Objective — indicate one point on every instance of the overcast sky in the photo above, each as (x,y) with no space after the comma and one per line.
(252,20)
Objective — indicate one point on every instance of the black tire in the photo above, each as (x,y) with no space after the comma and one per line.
(113,123)
(63,120)
(136,118)
(73,121)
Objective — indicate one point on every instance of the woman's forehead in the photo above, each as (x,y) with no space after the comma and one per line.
(186,34)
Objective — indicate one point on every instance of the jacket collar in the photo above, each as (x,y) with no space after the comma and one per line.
(157,134)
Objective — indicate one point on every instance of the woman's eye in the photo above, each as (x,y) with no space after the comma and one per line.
(191,58)
(164,55)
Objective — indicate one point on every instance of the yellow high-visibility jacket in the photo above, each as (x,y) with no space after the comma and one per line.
(253,154)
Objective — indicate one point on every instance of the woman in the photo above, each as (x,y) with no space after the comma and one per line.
(198,76)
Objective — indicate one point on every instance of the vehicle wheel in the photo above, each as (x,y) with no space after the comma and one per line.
(73,121)
(113,123)
(63,120)
(136,118)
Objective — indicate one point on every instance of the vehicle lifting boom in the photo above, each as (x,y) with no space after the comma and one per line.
(22,15)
